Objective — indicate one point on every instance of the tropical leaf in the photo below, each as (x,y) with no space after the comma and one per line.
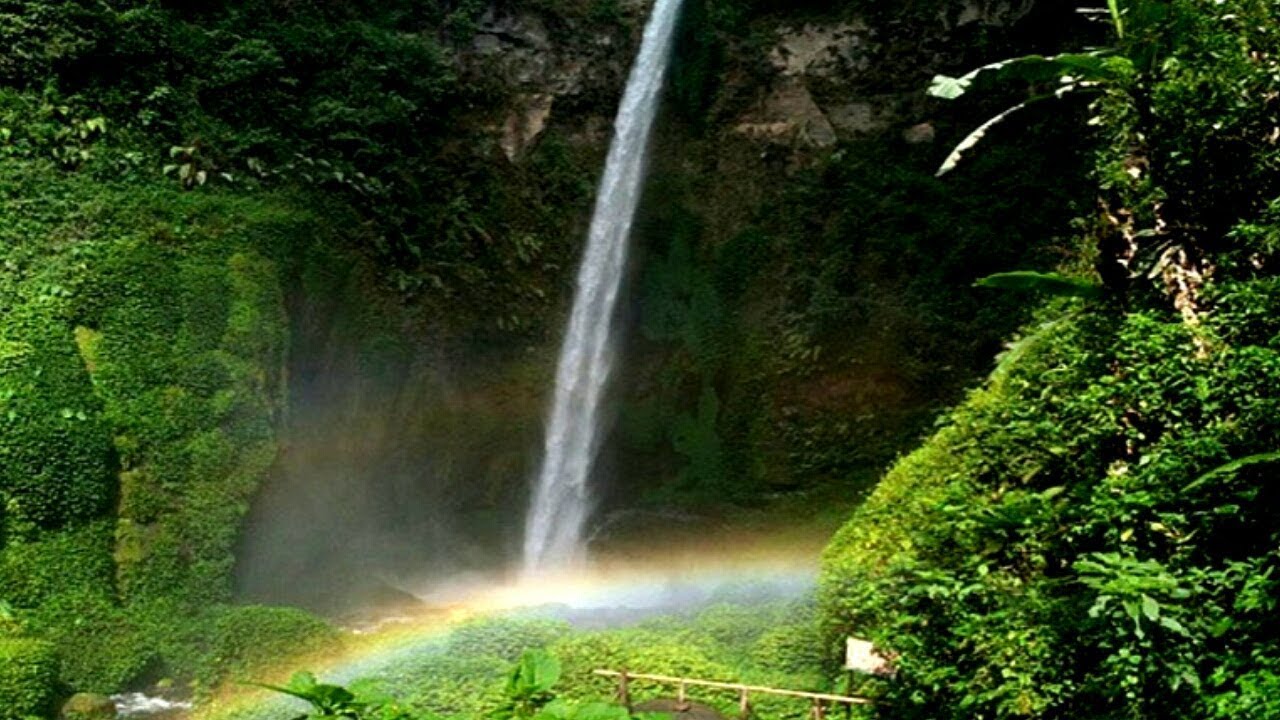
(973,138)
(324,698)
(1048,283)
(1029,68)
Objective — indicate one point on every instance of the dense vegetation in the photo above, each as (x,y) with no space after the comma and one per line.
(741,635)
(208,207)
(1090,534)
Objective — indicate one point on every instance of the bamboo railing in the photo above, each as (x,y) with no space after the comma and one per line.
(744,692)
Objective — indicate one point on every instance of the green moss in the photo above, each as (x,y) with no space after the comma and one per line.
(28,678)
(143,351)
(88,706)
(55,458)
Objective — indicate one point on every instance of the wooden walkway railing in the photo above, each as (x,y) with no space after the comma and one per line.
(744,691)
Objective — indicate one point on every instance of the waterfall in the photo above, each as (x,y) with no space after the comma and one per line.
(561,498)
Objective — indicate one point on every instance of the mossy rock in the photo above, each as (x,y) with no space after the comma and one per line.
(88,706)
(28,678)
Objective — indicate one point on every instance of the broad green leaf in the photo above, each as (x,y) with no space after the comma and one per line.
(1130,608)
(1173,625)
(946,87)
(1054,284)
(1089,66)
(1150,608)
(974,138)
(555,710)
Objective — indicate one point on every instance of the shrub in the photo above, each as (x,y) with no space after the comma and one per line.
(504,638)
(28,678)
(450,684)
(794,647)
(252,640)
(637,650)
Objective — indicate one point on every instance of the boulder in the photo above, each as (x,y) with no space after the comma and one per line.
(88,706)
(920,134)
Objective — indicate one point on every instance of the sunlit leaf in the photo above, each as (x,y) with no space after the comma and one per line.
(1054,284)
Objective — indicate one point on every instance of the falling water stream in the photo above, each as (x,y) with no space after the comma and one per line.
(562,498)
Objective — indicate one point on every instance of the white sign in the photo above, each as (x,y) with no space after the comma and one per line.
(862,656)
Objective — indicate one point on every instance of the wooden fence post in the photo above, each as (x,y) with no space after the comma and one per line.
(624,692)
(744,707)
(682,702)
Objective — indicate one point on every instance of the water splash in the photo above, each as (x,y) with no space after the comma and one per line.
(143,707)
(562,499)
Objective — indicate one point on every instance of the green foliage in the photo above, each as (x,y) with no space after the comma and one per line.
(794,647)
(1088,534)
(28,678)
(143,380)
(653,651)
(528,696)
(335,701)
(695,437)
(55,459)
(49,127)
(505,638)
(450,683)
(1058,509)
(529,686)
(244,641)
(1071,72)
(362,103)
(1050,284)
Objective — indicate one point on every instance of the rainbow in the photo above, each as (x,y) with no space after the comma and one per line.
(677,580)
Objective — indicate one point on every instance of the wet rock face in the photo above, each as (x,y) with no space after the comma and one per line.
(848,78)
(986,12)
(822,50)
(552,68)
(823,82)
(525,122)
(789,113)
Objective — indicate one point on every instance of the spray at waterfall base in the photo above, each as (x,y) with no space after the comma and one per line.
(616,592)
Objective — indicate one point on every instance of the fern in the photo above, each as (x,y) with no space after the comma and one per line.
(1233,467)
